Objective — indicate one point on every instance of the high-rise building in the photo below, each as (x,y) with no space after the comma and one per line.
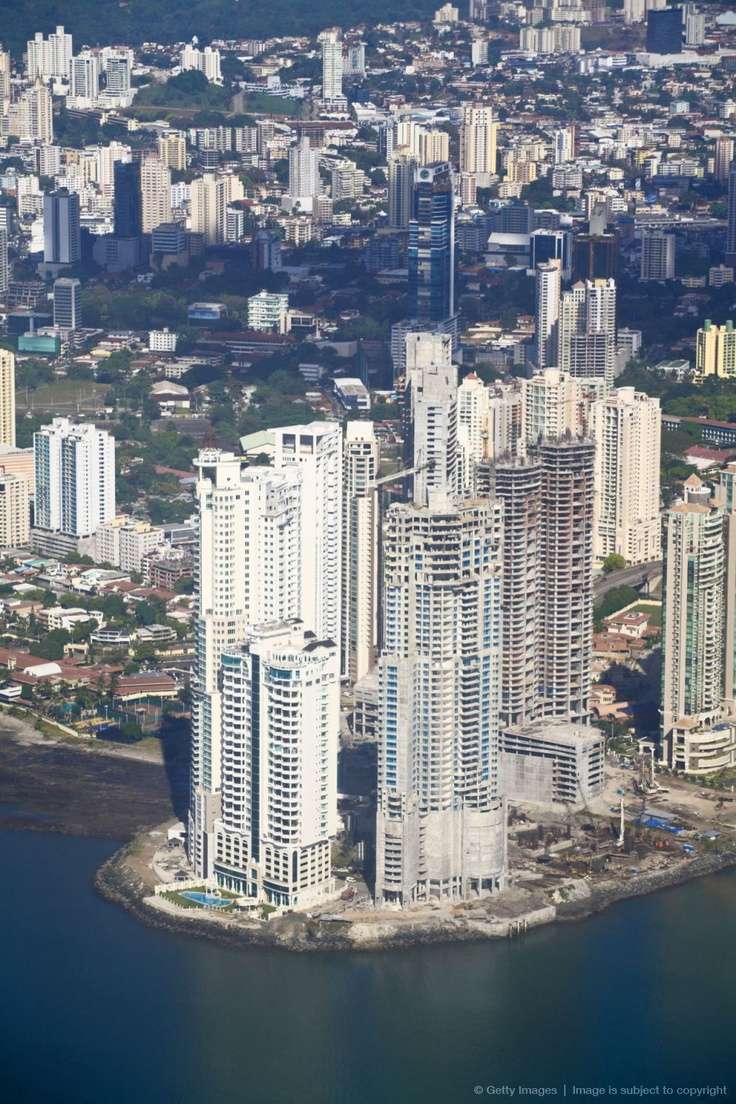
(566,556)
(61,229)
(723,157)
(440,829)
(402,167)
(49,58)
(731,225)
(626,427)
(205,61)
(431,406)
(432,245)
(7,398)
(594,257)
(587,332)
(315,451)
(75,477)
(155,194)
(657,255)
(32,116)
(127,210)
(15,510)
(554,404)
(478,143)
(547,313)
(664,31)
(4,262)
(565,144)
(67,305)
(172,150)
(278,799)
(551,245)
(85,77)
(473,417)
(715,351)
(248,572)
(332,65)
(211,196)
(304,178)
(518,487)
(117,71)
(693,608)
(360,536)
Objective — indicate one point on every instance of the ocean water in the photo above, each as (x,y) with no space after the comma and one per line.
(95,1008)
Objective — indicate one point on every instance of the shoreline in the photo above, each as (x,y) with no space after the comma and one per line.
(118,882)
(77,787)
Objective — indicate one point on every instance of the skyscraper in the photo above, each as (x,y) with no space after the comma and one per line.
(155,194)
(432,245)
(49,58)
(67,305)
(626,428)
(553,405)
(518,487)
(587,332)
(440,829)
(127,209)
(61,230)
(75,477)
(548,290)
(360,536)
(401,169)
(211,196)
(431,406)
(332,65)
(657,255)
(4,262)
(304,178)
(84,74)
(566,556)
(731,226)
(281,719)
(315,451)
(693,609)
(664,31)
(723,157)
(478,143)
(7,398)
(248,572)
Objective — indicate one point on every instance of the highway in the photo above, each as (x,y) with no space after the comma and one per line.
(627,576)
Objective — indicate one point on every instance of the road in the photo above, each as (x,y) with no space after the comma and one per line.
(627,576)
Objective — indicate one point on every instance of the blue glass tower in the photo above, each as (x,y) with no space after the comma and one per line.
(432,245)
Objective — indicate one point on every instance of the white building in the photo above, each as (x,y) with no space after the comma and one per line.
(359,606)
(162,341)
(553,404)
(281,716)
(587,332)
(75,477)
(85,78)
(657,255)
(205,61)
(332,66)
(431,404)
(626,427)
(124,543)
(304,179)
(547,313)
(269,311)
(315,451)
(49,58)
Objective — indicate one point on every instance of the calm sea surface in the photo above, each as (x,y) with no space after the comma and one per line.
(95,1008)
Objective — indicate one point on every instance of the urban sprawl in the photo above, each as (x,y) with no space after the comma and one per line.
(374,395)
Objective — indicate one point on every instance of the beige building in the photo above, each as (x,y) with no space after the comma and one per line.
(210,197)
(553,404)
(626,428)
(715,351)
(478,143)
(155,193)
(359,607)
(14,512)
(172,150)
(7,398)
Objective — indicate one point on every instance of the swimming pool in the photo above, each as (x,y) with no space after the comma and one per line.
(205,898)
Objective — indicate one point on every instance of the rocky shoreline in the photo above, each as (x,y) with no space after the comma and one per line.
(117,882)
